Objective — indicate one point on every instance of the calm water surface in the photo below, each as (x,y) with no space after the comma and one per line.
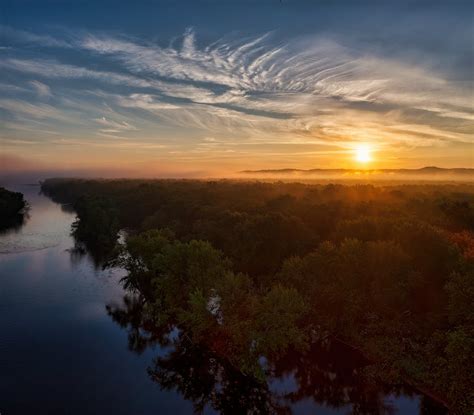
(61,353)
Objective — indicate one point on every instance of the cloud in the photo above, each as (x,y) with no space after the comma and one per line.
(254,91)
(54,69)
(247,70)
(42,90)
(12,88)
(15,35)
(121,126)
(39,111)
(145,101)
(188,64)
(112,128)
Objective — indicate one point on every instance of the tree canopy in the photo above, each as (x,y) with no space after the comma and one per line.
(251,271)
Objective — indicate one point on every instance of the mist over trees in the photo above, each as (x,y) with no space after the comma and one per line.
(249,270)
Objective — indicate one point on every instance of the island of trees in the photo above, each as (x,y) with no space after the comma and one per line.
(250,271)
(12,208)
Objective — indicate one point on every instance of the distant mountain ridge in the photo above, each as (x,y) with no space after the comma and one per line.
(420,171)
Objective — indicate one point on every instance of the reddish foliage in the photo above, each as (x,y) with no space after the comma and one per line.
(464,240)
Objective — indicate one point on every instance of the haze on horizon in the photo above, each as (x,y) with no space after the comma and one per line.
(195,89)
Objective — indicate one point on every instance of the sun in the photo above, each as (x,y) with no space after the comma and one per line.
(363,154)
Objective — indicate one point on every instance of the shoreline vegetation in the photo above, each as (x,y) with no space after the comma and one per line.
(252,270)
(12,209)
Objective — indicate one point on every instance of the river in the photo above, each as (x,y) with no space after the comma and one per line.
(62,353)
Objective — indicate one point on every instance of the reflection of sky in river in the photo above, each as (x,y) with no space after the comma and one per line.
(59,350)
(44,227)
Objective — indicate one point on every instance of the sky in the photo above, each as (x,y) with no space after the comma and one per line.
(210,88)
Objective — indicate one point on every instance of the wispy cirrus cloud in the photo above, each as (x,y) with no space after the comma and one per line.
(318,67)
(115,125)
(41,89)
(113,129)
(252,92)
(10,35)
(39,111)
(56,70)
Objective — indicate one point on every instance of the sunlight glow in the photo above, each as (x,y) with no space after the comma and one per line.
(362,154)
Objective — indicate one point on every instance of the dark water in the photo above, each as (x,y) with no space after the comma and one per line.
(62,353)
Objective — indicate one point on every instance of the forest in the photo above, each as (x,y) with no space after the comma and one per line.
(250,271)
(12,208)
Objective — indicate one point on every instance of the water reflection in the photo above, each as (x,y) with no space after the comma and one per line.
(333,374)
(59,350)
(79,253)
(329,377)
(39,226)
(200,375)
(208,381)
